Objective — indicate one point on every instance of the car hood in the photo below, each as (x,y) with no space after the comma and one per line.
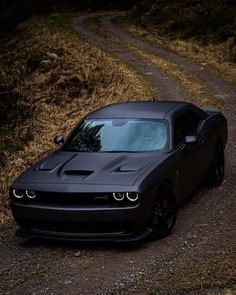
(91,168)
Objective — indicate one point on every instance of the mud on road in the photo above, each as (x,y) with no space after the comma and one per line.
(198,258)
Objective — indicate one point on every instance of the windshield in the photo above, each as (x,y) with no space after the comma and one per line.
(118,135)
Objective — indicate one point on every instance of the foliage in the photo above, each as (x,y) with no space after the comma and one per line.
(13,12)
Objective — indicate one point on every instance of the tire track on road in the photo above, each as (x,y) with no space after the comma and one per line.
(218,86)
(166,87)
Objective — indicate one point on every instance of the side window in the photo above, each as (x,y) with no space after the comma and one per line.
(194,121)
(180,129)
(186,124)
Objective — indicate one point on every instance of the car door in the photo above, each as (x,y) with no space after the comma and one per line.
(191,168)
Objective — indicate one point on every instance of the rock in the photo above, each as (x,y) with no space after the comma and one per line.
(45,62)
(52,55)
(67,282)
(77,254)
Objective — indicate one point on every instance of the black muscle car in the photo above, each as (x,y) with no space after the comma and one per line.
(121,173)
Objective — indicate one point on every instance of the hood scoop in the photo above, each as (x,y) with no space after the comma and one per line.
(78,172)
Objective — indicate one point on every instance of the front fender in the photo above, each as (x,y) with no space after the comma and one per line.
(166,170)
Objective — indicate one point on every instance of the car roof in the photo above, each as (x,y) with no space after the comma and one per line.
(138,109)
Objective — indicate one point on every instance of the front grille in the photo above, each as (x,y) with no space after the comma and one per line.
(75,199)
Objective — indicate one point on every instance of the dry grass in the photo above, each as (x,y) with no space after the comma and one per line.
(55,91)
(197,92)
(221,292)
(214,55)
(93,24)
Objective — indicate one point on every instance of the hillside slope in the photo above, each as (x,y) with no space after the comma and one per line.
(49,79)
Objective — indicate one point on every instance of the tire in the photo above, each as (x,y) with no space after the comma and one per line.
(217,169)
(164,213)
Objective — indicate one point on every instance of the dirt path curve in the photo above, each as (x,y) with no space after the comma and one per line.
(198,257)
(217,85)
(166,87)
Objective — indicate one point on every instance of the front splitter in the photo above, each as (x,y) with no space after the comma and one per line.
(63,236)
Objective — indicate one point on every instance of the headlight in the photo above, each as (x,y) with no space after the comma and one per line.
(119,196)
(30,194)
(18,193)
(132,197)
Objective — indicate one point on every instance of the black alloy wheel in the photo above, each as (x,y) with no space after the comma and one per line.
(217,169)
(164,213)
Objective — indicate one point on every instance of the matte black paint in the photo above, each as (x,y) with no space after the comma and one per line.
(184,167)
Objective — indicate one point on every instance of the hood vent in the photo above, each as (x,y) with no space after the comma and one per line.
(124,169)
(78,172)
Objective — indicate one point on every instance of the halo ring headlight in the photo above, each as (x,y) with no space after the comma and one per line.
(30,194)
(132,197)
(18,193)
(118,196)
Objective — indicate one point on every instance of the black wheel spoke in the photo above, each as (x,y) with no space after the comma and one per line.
(216,173)
(169,210)
(161,221)
(164,213)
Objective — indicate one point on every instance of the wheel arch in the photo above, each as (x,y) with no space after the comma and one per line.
(170,184)
(219,141)
(163,233)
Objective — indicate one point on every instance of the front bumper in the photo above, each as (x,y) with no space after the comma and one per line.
(82,224)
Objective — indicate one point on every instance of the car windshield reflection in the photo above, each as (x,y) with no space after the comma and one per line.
(118,135)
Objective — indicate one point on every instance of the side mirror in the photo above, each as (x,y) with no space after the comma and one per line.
(59,139)
(191,139)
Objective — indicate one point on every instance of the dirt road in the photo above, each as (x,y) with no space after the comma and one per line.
(198,258)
